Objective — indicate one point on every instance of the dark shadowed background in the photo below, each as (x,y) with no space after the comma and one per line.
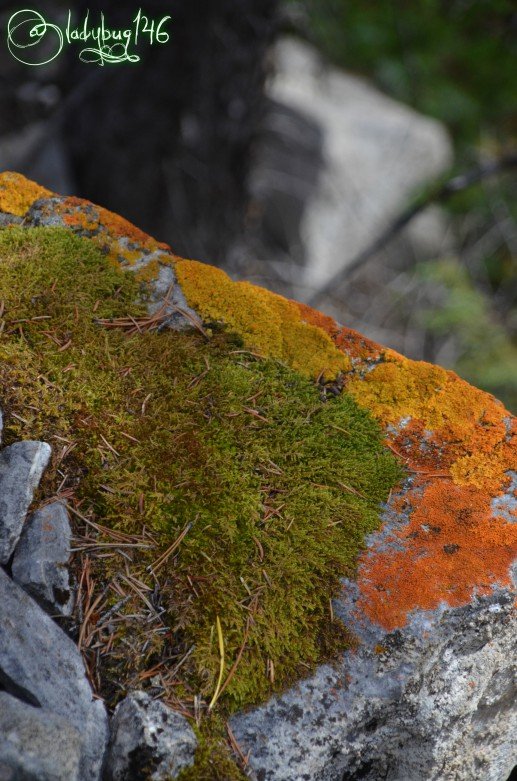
(289,141)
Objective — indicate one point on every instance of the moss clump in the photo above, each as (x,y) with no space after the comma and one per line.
(275,488)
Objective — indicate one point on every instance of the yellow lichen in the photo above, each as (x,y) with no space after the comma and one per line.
(17,194)
(267,323)
(149,272)
(397,389)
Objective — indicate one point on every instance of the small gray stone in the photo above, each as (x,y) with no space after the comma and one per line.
(148,740)
(36,744)
(5,221)
(41,557)
(40,664)
(21,468)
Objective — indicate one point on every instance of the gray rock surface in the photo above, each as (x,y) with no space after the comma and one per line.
(21,468)
(41,557)
(148,740)
(433,701)
(36,744)
(41,665)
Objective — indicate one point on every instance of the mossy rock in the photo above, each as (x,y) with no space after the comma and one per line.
(232,451)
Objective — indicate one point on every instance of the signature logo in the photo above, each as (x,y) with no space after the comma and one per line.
(32,40)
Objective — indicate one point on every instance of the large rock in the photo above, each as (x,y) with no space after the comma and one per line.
(41,557)
(148,740)
(35,744)
(42,666)
(21,468)
(429,692)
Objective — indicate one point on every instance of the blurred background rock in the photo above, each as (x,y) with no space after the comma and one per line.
(284,141)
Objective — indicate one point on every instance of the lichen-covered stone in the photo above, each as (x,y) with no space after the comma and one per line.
(148,740)
(21,468)
(41,558)
(432,600)
(201,435)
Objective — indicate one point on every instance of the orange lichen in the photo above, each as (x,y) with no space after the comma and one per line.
(460,443)
(267,323)
(122,241)
(17,194)
(452,547)
(354,344)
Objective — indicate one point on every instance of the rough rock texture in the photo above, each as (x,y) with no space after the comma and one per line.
(21,468)
(433,700)
(148,740)
(430,691)
(41,556)
(42,666)
(35,744)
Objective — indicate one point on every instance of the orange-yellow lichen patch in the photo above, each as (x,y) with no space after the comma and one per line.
(461,443)
(421,448)
(267,323)
(75,216)
(452,548)
(120,239)
(354,344)
(394,390)
(17,194)
(468,428)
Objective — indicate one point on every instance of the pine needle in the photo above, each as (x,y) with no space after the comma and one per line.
(221,664)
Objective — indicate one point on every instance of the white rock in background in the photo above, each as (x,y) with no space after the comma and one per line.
(372,153)
(41,557)
(148,740)
(21,468)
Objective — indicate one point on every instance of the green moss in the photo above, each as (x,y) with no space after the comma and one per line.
(213,760)
(169,429)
